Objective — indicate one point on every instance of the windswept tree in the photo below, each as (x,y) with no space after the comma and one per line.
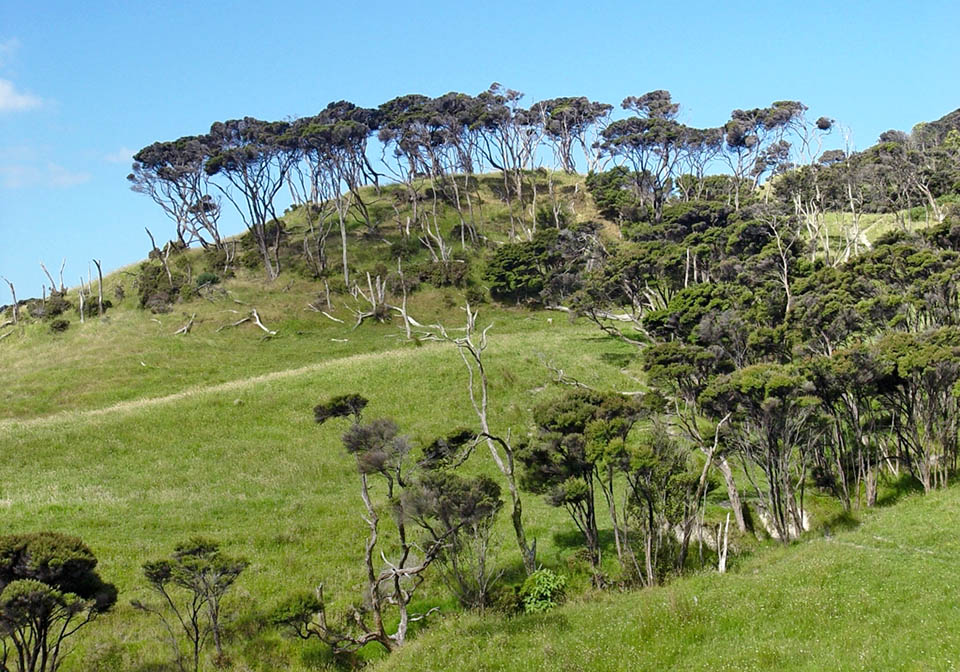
(570,122)
(575,452)
(652,144)
(253,158)
(775,424)
(754,141)
(509,137)
(173,175)
(415,132)
(459,512)
(202,575)
(334,144)
(918,387)
(439,502)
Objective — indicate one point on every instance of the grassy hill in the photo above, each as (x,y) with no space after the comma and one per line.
(882,596)
(134,438)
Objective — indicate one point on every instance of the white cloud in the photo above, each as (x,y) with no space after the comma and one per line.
(26,175)
(12,100)
(122,155)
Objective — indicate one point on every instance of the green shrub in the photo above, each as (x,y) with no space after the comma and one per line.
(406,248)
(475,295)
(542,591)
(454,273)
(207,278)
(59,325)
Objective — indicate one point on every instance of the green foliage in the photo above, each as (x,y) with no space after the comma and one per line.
(48,590)
(155,290)
(340,407)
(615,195)
(542,591)
(59,325)
(207,278)
(198,569)
(453,273)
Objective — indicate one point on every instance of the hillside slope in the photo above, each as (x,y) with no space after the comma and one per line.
(880,597)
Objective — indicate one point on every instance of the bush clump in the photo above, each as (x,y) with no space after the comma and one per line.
(542,591)
(60,325)
(207,278)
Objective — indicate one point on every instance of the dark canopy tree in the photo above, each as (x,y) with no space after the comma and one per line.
(49,589)
(754,141)
(253,157)
(569,122)
(173,175)
(651,143)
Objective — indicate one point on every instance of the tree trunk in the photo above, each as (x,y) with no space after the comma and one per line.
(732,493)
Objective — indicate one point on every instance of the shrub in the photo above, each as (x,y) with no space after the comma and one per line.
(475,295)
(446,273)
(406,248)
(207,278)
(542,591)
(60,325)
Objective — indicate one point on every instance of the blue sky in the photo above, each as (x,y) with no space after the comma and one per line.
(84,85)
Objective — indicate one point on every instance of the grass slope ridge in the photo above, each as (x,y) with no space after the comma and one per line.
(881,596)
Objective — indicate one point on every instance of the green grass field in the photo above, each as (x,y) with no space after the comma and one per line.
(133,459)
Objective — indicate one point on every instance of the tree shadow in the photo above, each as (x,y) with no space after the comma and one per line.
(841,521)
(895,490)
(618,359)
(574,539)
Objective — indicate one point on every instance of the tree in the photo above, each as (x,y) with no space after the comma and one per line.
(775,423)
(753,140)
(510,136)
(575,451)
(199,568)
(917,385)
(49,589)
(652,144)
(253,156)
(471,349)
(664,496)
(459,512)
(570,121)
(172,174)
(381,452)
(334,143)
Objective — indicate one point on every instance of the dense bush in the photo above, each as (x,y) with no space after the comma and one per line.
(542,591)
(207,278)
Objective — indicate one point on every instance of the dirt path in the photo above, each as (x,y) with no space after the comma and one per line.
(198,390)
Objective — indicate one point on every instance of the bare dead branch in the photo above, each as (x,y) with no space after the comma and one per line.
(13,293)
(185,329)
(53,285)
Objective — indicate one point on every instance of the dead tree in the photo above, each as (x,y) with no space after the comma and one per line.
(252,317)
(99,288)
(471,350)
(53,285)
(185,329)
(13,293)
(80,296)
(162,256)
